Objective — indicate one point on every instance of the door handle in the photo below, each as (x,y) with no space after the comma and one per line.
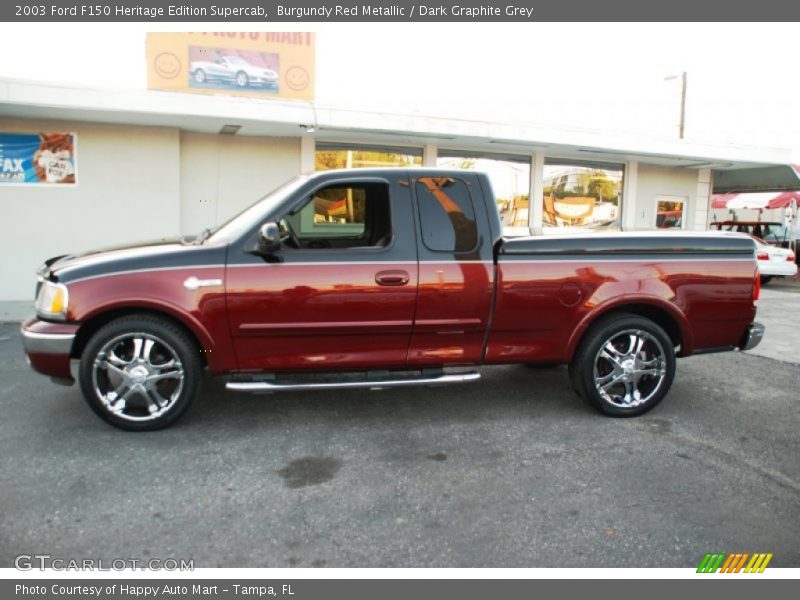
(394,277)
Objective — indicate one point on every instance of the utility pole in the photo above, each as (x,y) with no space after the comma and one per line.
(682,123)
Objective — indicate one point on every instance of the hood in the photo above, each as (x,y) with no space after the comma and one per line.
(158,254)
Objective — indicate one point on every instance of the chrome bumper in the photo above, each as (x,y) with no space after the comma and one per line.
(49,347)
(47,343)
(754,335)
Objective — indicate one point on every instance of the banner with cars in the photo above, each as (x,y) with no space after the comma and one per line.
(38,159)
(256,64)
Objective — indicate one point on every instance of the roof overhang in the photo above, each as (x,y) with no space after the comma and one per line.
(281,118)
(758,179)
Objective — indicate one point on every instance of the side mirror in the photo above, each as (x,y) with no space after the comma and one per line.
(269,238)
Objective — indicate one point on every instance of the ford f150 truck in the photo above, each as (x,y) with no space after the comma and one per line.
(380,278)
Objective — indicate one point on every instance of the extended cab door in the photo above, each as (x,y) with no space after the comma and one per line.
(456,270)
(340,292)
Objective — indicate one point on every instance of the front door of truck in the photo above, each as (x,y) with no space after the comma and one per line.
(340,293)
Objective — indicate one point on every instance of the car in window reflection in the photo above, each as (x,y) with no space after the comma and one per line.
(233,70)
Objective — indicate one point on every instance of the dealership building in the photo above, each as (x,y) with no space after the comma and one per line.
(157,164)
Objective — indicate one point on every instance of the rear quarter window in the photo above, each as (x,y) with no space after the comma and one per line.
(447,214)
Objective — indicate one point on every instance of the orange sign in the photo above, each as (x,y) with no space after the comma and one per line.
(255,64)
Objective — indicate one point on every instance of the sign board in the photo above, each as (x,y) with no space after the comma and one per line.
(38,159)
(255,64)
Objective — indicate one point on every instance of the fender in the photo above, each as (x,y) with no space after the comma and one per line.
(217,361)
(687,341)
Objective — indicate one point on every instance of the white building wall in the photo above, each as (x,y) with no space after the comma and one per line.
(654,182)
(126,177)
(220,175)
(134,184)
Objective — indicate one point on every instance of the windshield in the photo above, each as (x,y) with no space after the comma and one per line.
(249,217)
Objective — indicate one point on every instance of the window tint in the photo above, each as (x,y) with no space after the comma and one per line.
(509,176)
(335,211)
(447,214)
(342,216)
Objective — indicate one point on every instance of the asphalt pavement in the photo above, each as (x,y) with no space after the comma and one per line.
(511,471)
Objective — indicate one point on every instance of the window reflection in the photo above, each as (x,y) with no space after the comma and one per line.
(329,157)
(510,178)
(446,214)
(669,214)
(582,195)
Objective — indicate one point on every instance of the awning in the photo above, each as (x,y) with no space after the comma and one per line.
(756,200)
(776,178)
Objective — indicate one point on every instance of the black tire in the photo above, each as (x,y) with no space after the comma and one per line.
(625,373)
(765,279)
(116,372)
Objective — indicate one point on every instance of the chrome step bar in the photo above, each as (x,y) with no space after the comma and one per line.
(373,384)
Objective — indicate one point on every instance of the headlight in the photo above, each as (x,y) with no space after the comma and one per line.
(52,301)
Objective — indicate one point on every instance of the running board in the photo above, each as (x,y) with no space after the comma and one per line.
(373,384)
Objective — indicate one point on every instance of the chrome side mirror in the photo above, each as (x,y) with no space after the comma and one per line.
(269,238)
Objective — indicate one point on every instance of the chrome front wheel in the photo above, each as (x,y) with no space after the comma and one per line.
(137,376)
(140,372)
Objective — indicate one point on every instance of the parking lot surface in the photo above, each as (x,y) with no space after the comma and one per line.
(512,471)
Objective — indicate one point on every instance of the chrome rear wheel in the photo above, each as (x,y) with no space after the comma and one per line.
(630,368)
(624,365)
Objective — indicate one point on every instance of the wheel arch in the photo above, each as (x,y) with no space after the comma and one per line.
(665,315)
(196,332)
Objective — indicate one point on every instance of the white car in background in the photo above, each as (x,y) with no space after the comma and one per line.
(231,69)
(774,261)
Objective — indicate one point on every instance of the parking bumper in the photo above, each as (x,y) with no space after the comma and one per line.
(755,333)
(48,347)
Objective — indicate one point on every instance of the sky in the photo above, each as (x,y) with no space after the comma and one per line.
(743,84)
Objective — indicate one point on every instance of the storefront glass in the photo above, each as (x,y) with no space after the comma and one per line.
(582,195)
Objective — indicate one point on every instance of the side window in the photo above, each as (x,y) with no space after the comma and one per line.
(447,214)
(344,216)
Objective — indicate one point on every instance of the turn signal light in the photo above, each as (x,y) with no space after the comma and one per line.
(756,287)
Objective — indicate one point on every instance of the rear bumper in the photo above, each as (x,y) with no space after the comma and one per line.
(755,333)
(48,346)
(777,269)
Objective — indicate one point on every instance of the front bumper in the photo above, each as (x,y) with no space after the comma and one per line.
(755,334)
(49,346)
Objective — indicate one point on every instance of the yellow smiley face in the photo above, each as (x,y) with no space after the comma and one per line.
(297,78)
(167,65)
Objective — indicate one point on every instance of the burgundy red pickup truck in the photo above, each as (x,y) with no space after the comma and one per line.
(380,278)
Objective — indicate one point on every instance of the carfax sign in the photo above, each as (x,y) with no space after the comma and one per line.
(255,64)
(37,158)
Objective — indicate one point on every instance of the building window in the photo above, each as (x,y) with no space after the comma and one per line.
(447,215)
(346,156)
(583,195)
(669,212)
(510,176)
